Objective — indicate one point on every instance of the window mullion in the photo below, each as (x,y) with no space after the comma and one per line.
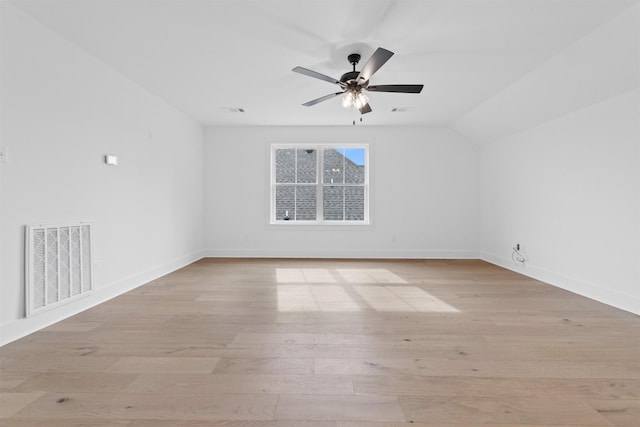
(344,186)
(295,184)
(320,186)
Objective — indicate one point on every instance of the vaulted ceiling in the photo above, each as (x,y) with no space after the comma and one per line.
(206,57)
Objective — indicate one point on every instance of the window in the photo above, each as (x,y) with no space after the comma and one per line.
(319,184)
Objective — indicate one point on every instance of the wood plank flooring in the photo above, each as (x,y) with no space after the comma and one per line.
(330,343)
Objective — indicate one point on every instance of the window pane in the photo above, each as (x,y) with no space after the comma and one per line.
(354,203)
(305,203)
(333,166)
(285,202)
(354,166)
(285,165)
(333,203)
(295,203)
(306,166)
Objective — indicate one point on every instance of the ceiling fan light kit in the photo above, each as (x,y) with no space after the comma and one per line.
(355,83)
(354,99)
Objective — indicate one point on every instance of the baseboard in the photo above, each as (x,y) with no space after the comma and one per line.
(372,254)
(593,291)
(22,327)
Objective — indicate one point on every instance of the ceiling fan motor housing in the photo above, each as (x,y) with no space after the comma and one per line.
(349,77)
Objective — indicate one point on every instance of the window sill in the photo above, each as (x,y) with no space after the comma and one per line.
(320,227)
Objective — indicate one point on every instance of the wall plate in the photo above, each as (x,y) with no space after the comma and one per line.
(111,160)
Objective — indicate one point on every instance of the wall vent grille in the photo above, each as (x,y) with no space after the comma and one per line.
(59,266)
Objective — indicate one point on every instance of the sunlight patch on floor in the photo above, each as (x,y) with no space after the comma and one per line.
(296,298)
(335,298)
(369,275)
(304,275)
(422,300)
(381,299)
(315,298)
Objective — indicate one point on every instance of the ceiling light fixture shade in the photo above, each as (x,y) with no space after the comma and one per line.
(354,99)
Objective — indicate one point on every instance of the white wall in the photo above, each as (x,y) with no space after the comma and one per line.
(425,195)
(569,192)
(62,111)
(561,170)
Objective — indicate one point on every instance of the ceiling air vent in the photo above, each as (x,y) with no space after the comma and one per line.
(233,109)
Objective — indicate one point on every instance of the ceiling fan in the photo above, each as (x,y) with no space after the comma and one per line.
(355,83)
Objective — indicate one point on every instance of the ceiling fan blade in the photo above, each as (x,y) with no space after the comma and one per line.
(366,108)
(323,98)
(396,88)
(316,75)
(377,60)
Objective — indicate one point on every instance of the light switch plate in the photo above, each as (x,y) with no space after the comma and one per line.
(111,160)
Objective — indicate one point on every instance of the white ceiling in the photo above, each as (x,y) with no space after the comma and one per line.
(204,56)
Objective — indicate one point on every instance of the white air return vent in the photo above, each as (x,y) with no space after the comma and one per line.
(59,266)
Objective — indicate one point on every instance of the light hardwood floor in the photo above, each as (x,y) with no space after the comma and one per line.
(330,343)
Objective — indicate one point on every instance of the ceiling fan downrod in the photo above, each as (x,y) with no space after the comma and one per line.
(353,59)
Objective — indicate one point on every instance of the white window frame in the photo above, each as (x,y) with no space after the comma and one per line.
(319,185)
